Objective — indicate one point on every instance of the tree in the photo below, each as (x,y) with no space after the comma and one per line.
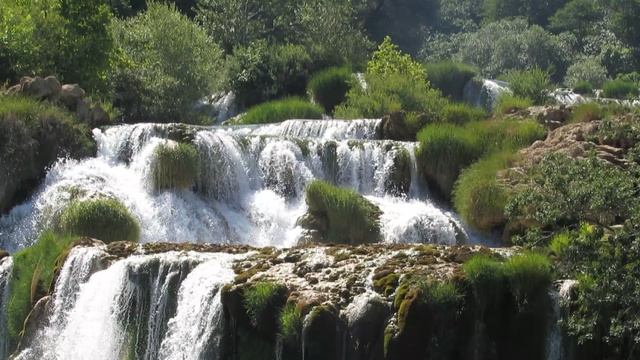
(535,11)
(577,17)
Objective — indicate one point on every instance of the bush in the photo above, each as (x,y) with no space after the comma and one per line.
(458,113)
(450,78)
(281,110)
(290,324)
(104,219)
(587,112)
(588,70)
(389,60)
(32,277)
(509,104)
(620,89)
(329,87)
(165,64)
(530,84)
(175,165)
(262,72)
(258,298)
(478,196)
(583,88)
(349,217)
(529,276)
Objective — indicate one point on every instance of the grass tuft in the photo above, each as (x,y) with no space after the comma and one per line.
(105,219)
(175,166)
(329,87)
(281,110)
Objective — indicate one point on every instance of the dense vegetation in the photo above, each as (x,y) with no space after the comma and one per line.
(105,219)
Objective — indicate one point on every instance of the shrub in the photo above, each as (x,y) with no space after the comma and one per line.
(450,78)
(478,196)
(281,110)
(349,217)
(588,70)
(559,243)
(587,112)
(175,165)
(583,88)
(290,324)
(487,278)
(33,274)
(258,298)
(165,64)
(329,87)
(530,84)
(509,104)
(458,113)
(262,72)
(389,60)
(620,89)
(529,276)
(104,219)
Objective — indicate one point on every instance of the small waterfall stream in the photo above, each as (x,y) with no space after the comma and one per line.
(6,266)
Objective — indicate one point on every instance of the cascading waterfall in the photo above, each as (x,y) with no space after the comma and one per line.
(251,184)
(484,92)
(6,267)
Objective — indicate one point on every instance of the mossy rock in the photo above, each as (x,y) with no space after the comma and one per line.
(322,334)
(175,166)
(401,126)
(399,179)
(104,219)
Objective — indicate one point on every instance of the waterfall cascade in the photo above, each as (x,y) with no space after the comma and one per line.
(484,92)
(6,266)
(250,188)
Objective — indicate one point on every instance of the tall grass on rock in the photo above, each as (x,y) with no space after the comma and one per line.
(530,84)
(509,104)
(529,276)
(620,89)
(104,219)
(329,87)
(281,110)
(175,166)
(346,216)
(450,77)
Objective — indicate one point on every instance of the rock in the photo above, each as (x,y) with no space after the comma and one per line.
(396,126)
(70,94)
(44,89)
(37,319)
(3,254)
(550,116)
(399,180)
(366,317)
(14,90)
(83,111)
(321,334)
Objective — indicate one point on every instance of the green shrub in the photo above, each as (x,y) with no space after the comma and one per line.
(450,78)
(583,88)
(586,71)
(559,243)
(530,84)
(349,217)
(587,112)
(175,165)
(620,89)
(459,113)
(441,296)
(329,87)
(487,278)
(258,298)
(529,276)
(478,196)
(165,64)
(290,324)
(104,219)
(33,274)
(509,104)
(389,60)
(281,110)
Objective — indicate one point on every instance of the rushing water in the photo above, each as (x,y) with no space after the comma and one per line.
(6,266)
(251,183)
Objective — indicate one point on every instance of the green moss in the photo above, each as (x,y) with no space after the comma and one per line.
(509,104)
(175,165)
(104,219)
(350,218)
(529,276)
(459,113)
(33,272)
(330,86)
(386,284)
(258,298)
(290,324)
(281,110)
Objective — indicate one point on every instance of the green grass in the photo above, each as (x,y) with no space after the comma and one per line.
(450,77)
(33,274)
(588,112)
(351,219)
(530,84)
(175,166)
(529,275)
(258,298)
(290,324)
(509,104)
(559,243)
(441,296)
(583,88)
(478,197)
(459,113)
(330,86)
(104,219)
(281,110)
(620,89)
(487,278)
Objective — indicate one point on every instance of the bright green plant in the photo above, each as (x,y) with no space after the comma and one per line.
(509,104)
(588,112)
(450,77)
(258,298)
(583,88)
(530,84)
(459,113)
(529,275)
(487,278)
(588,70)
(281,110)
(329,87)
(176,165)
(290,324)
(104,219)
(388,60)
(620,89)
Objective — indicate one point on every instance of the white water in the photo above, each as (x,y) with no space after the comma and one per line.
(250,188)
(559,298)
(6,267)
(484,92)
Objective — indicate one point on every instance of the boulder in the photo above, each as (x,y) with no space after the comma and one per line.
(71,94)
(48,88)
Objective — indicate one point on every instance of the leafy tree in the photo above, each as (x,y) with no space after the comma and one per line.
(577,16)
(535,11)
(530,84)
(388,59)
(166,63)
(588,70)
(624,20)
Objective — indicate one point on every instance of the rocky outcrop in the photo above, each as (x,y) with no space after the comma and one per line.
(397,126)
(551,117)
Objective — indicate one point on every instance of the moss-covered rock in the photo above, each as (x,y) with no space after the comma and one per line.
(399,180)
(105,219)
(401,126)
(322,334)
(175,166)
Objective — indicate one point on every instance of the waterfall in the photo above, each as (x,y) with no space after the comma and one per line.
(250,187)
(559,295)
(484,92)
(6,267)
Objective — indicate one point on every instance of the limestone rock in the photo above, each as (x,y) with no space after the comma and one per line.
(71,94)
(44,89)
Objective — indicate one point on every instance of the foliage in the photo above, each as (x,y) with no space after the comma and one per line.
(576,16)
(389,60)
(529,276)
(104,219)
(529,84)
(330,86)
(588,70)
(561,191)
(583,88)
(281,110)
(33,274)
(620,89)
(262,72)
(588,112)
(175,165)
(384,95)
(350,218)
(290,324)
(535,11)
(460,113)
(258,298)
(487,278)
(478,196)
(509,104)
(450,77)
(165,64)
